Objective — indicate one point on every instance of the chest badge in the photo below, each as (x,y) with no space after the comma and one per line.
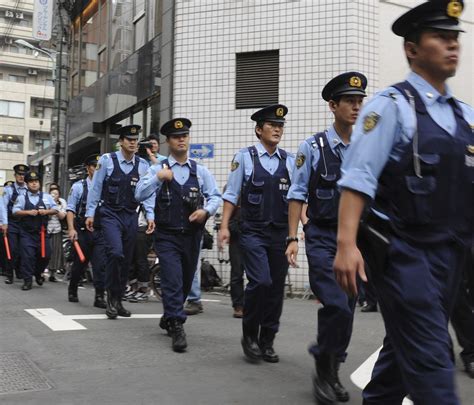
(470,149)
(370,121)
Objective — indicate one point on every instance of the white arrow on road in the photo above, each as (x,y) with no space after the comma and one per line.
(361,376)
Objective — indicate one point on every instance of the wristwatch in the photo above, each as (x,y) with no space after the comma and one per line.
(290,239)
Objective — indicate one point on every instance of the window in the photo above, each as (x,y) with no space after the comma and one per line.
(41,108)
(17,79)
(39,140)
(11,143)
(12,109)
(257,79)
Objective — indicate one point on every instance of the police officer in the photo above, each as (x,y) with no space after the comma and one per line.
(91,243)
(3,231)
(113,185)
(33,209)
(12,228)
(315,178)
(413,153)
(186,195)
(260,176)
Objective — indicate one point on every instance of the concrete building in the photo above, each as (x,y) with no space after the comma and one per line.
(217,61)
(26,89)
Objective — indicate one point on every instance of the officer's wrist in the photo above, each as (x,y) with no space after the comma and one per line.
(291,239)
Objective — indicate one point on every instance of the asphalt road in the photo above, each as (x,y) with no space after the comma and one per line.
(130,361)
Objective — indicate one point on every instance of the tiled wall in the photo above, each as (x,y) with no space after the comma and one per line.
(316,40)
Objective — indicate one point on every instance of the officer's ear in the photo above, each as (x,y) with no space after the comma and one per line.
(258,130)
(333,105)
(411,51)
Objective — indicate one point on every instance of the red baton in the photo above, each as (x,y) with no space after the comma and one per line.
(43,242)
(7,246)
(79,251)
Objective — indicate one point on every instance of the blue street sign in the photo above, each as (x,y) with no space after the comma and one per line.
(201,150)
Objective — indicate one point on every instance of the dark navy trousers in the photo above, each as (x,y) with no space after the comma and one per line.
(336,317)
(178,254)
(266,267)
(32,264)
(416,292)
(119,230)
(93,247)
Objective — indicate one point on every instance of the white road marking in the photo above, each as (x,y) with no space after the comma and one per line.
(361,376)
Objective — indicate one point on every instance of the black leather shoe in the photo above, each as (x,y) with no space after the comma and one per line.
(121,311)
(327,375)
(164,324)
(111,310)
(27,285)
(99,301)
(179,343)
(469,368)
(269,355)
(369,308)
(251,349)
(39,280)
(52,279)
(72,294)
(9,280)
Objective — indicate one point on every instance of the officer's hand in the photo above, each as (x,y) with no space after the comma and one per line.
(4,228)
(347,264)
(90,224)
(72,234)
(151,226)
(223,237)
(165,174)
(33,213)
(42,212)
(199,216)
(292,253)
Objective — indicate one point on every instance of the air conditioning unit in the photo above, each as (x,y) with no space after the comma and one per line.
(32,72)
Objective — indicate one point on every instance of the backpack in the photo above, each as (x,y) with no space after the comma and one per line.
(209,276)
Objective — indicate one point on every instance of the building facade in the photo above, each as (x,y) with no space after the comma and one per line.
(26,89)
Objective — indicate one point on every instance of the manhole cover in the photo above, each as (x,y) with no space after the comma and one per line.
(19,374)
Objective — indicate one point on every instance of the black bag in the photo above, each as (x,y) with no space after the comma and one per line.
(209,276)
(207,240)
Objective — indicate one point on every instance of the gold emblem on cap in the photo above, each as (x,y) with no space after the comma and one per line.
(33,175)
(470,148)
(454,9)
(97,157)
(133,130)
(355,81)
(178,124)
(279,112)
(370,121)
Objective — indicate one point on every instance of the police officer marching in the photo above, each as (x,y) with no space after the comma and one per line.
(315,178)
(186,195)
(11,223)
(33,209)
(91,243)
(412,153)
(113,186)
(260,176)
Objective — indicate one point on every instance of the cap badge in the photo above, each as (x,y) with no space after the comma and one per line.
(370,121)
(178,124)
(355,81)
(279,112)
(33,175)
(97,157)
(133,130)
(454,9)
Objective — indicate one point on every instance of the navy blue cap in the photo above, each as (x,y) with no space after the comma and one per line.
(129,131)
(176,126)
(345,84)
(434,14)
(91,159)
(21,169)
(32,175)
(272,113)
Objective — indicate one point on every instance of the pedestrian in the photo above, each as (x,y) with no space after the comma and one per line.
(12,224)
(412,157)
(317,169)
(186,195)
(260,177)
(113,185)
(55,231)
(92,243)
(34,209)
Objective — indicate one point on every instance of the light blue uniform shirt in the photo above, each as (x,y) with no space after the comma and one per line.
(34,199)
(3,213)
(371,149)
(309,153)
(244,169)
(149,185)
(105,167)
(7,195)
(76,193)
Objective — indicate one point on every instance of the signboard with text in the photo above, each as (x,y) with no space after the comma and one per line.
(42,19)
(201,150)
